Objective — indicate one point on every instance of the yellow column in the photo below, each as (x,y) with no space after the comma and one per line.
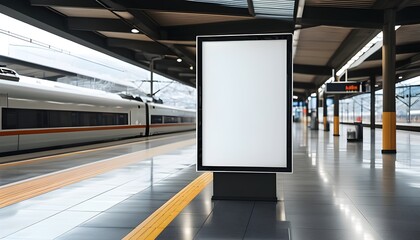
(389,131)
(336,116)
(336,126)
(325,123)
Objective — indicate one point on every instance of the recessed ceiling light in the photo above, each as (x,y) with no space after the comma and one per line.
(179,60)
(135,30)
(191,68)
(400,77)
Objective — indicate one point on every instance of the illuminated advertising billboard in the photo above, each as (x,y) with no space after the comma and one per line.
(245,102)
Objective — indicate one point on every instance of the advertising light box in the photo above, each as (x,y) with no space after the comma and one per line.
(245,102)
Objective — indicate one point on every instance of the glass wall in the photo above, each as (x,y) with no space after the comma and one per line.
(407,95)
(357,108)
(408,104)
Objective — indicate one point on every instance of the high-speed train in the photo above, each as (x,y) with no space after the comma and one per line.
(34,116)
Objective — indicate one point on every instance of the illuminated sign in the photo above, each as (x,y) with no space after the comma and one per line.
(343,87)
(237,132)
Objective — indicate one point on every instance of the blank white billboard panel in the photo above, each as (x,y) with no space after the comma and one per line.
(244,85)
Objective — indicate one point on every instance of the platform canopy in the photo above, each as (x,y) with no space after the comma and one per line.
(327,33)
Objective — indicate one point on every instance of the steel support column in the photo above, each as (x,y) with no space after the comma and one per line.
(388,72)
(372,101)
(336,115)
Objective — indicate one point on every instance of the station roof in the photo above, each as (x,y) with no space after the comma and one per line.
(329,32)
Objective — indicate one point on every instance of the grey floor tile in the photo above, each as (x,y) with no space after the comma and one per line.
(324,234)
(94,233)
(227,233)
(116,220)
(189,220)
(184,233)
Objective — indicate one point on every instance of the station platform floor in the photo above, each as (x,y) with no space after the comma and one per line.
(338,190)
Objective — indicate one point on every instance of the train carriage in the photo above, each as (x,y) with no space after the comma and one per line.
(34,116)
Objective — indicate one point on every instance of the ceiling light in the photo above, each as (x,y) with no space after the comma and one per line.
(191,68)
(135,30)
(179,60)
(400,77)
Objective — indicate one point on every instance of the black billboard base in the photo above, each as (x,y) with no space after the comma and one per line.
(244,186)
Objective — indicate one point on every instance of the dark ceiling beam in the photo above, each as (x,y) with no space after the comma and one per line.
(141,58)
(183,6)
(304,85)
(408,16)
(143,46)
(394,4)
(403,64)
(66,3)
(98,24)
(311,69)
(342,17)
(189,32)
(354,18)
(185,54)
(399,49)
(377,71)
(187,74)
(171,63)
(145,24)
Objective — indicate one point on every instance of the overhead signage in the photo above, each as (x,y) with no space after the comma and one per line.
(343,87)
(244,85)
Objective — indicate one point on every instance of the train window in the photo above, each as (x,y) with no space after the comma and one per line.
(60,119)
(29,118)
(32,118)
(156,119)
(188,119)
(122,119)
(170,119)
(9,118)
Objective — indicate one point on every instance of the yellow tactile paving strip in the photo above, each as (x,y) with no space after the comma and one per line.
(160,219)
(17,192)
(60,155)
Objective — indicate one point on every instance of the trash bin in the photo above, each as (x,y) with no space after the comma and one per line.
(359,131)
(351,135)
(355,134)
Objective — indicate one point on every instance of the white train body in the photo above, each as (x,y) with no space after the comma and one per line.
(164,119)
(34,117)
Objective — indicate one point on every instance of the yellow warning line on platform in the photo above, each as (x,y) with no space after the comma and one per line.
(160,219)
(76,152)
(19,191)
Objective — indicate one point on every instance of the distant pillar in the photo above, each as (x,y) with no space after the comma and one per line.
(316,112)
(388,72)
(336,116)
(325,111)
(306,115)
(372,101)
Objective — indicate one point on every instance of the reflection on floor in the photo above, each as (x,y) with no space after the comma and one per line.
(339,190)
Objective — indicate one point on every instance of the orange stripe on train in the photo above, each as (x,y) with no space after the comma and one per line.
(81,129)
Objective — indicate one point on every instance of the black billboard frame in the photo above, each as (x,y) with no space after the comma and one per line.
(289,100)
